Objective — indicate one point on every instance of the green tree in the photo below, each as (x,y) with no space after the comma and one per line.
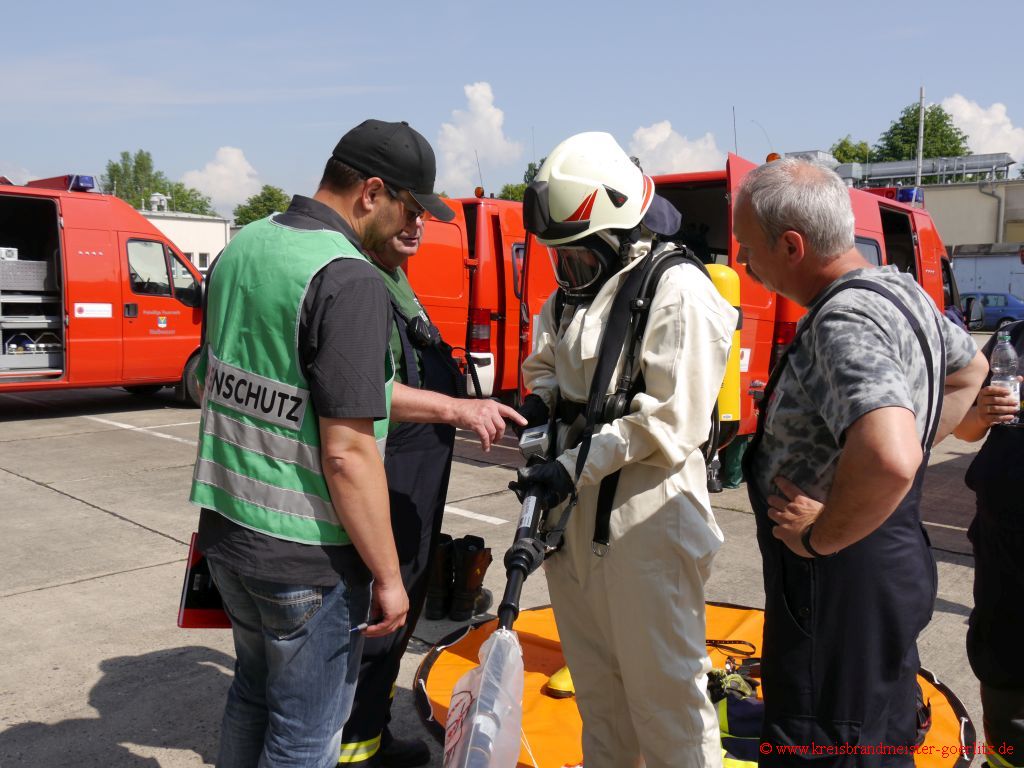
(133,179)
(268,200)
(512,192)
(941,137)
(189,200)
(531,171)
(846,150)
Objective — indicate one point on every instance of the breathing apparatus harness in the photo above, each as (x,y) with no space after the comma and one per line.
(623,332)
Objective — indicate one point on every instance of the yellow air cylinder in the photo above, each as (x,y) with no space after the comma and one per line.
(728,284)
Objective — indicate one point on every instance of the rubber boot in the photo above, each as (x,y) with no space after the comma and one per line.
(439,582)
(471,559)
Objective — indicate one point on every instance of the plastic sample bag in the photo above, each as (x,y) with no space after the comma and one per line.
(485,716)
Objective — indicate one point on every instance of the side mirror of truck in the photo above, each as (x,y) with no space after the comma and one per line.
(190,296)
(973,313)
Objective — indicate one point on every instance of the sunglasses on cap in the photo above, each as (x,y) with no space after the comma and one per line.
(413,210)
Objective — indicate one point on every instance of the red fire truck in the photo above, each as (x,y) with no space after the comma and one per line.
(91,293)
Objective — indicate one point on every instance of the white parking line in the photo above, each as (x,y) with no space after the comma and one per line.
(943,525)
(450,510)
(147,430)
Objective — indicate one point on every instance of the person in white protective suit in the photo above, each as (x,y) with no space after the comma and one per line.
(630,615)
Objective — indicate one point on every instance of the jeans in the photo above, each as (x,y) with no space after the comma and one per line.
(297,662)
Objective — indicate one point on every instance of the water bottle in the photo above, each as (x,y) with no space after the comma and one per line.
(1004,369)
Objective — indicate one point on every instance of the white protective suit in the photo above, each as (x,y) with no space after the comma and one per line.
(632,623)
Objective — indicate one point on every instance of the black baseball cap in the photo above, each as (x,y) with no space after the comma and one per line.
(398,155)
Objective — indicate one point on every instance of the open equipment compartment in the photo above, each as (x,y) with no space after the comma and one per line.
(704,205)
(31,291)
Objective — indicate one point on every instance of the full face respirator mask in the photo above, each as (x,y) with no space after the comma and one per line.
(583,266)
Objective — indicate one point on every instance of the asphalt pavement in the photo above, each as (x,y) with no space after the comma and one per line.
(93,488)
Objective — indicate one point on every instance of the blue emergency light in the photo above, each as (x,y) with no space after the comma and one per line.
(82,184)
(910,195)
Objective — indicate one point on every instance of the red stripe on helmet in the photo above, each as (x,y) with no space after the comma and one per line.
(648,192)
(590,206)
(583,212)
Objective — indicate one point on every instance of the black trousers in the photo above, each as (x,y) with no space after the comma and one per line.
(840,642)
(997,622)
(418,462)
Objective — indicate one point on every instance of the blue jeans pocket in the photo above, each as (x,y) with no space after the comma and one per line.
(285,609)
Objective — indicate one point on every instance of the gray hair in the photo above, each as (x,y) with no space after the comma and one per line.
(799,195)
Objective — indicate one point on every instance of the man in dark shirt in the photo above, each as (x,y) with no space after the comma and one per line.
(997,540)
(297,380)
(425,411)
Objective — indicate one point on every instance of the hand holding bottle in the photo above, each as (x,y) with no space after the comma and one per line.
(999,403)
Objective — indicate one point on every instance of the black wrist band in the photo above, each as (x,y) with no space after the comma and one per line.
(805,539)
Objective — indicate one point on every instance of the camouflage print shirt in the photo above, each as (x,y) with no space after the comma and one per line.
(860,354)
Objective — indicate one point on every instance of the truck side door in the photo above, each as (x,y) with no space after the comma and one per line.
(439,276)
(159,310)
(93,342)
(931,255)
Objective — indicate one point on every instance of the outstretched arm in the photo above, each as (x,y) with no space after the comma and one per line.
(485,417)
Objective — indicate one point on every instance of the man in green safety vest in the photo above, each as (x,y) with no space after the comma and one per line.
(297,380)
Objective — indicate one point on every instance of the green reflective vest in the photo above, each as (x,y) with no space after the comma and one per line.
(258,462)
(402,293)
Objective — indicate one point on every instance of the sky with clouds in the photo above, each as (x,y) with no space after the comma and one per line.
(229,96)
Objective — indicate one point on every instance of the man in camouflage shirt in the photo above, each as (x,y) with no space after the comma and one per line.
(835,471)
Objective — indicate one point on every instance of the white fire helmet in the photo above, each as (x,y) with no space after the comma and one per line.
(587,184)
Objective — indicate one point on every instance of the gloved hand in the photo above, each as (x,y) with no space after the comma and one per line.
(722,683)
(535,411)
(555,483)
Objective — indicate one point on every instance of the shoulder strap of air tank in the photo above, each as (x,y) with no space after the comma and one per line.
(662,263)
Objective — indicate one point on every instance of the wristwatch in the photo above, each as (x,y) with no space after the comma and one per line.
(805,539)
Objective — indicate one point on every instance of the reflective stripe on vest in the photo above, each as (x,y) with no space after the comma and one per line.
(270,444)
(285,501)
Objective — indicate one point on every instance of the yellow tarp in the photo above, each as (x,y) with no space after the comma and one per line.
(552,728)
